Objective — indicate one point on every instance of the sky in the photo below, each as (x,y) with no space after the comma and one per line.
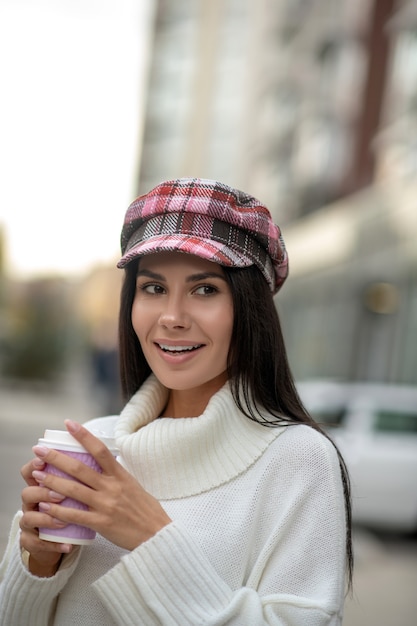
(72,75)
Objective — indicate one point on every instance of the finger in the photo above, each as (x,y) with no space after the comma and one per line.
(30,541)
(31,496)
(33,520)
(67,515)
(94,446)
(70,466)
(27,469)
(57,486)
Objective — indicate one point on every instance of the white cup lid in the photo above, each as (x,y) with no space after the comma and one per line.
(62,440)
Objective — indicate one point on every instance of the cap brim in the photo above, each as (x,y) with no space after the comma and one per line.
(204,248)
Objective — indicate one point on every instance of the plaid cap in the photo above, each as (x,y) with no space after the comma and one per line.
(208,219)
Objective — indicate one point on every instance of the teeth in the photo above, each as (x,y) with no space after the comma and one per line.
(177,348)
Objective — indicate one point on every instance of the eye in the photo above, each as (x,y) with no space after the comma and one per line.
(151,288)
(205,290)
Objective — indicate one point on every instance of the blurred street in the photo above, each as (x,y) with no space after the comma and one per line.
(386,567)
(24,416)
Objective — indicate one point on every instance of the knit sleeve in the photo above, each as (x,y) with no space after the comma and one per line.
(297,578)
(24,598)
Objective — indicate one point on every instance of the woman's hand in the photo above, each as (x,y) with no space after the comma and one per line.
(118,506)
(45,556)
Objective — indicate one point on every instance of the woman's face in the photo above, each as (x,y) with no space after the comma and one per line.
(182,314)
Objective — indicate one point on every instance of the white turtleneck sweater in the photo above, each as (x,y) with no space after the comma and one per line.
(257,537)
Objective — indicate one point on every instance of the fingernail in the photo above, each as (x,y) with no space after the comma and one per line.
(56,496)
(38,462)
(40,450)
(65,547)
(73,427)
(59,523)
(44,506)
(37,475)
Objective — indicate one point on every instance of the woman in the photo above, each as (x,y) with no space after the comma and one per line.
(228,504)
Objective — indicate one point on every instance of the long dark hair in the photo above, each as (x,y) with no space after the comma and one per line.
(258,369)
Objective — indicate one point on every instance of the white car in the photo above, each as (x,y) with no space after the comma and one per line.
(375,428)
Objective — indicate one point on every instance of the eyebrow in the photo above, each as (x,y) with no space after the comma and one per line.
(190,279)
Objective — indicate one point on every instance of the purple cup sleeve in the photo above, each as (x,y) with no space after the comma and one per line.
(72,533)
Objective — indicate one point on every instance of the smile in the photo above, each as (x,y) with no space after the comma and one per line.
(178,349)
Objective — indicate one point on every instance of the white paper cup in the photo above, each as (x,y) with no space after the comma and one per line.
(62,441)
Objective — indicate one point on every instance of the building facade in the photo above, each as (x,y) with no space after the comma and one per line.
(311,106)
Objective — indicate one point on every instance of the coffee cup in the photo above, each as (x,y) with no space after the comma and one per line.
(62,441)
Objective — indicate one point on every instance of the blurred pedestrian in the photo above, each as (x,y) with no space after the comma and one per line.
(228,504)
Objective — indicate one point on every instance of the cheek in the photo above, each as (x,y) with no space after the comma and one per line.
(228,337)
(138,318)
(224,326)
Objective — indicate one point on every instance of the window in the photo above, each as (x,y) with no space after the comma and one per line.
(396,422)
(330,417)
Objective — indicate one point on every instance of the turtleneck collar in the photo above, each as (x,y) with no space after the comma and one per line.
(176,458)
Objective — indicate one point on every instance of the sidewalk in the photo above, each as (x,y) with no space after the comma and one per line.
(385,582)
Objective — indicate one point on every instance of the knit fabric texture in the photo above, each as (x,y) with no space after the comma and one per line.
(208,219)
(261,541)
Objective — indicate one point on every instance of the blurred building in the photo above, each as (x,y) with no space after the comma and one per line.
(3,294)
(310,105)
(282,98)
(36,330)
(194,112)
(351,306)
(96,304)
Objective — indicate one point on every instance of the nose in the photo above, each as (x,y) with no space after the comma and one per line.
(174,313)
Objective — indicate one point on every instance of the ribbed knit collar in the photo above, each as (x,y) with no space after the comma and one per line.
(176,458)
